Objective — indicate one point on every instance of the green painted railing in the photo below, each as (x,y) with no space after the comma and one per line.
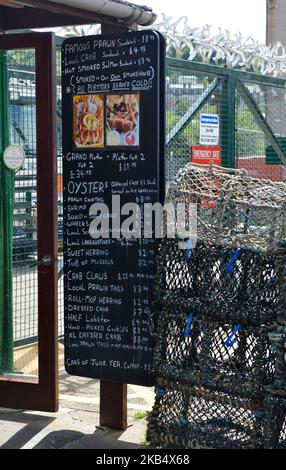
(6,228)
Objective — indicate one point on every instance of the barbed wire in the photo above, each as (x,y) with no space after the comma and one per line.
(210,45)
(220,48)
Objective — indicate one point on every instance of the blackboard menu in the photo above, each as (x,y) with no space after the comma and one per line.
(113,156)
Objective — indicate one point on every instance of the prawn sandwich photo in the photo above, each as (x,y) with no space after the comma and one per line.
(88,121)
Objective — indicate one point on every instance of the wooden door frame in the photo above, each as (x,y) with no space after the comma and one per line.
(20,392)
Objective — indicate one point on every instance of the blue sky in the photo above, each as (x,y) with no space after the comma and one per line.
(245,16)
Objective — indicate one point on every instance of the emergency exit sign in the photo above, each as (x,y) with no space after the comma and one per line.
(204,155)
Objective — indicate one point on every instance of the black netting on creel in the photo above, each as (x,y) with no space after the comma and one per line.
(196,418)
(249,294)
(232,319)
(219,319)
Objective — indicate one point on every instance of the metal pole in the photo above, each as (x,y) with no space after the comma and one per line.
(6,228)
(227,117)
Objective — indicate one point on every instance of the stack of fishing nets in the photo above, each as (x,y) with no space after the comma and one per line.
(219,317)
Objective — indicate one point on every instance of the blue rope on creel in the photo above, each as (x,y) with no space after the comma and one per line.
(160,391)
(188,325)
(188,253)
(230,341)
(230,267)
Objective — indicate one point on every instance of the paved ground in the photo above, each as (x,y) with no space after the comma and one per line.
(76,425)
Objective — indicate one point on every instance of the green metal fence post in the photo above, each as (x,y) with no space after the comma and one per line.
(227,119)
(6,227)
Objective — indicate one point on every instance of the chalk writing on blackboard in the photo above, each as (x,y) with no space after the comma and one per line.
(113,150)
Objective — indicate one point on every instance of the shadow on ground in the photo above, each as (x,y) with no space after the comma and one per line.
(33,424)
(101,439)
(76,424)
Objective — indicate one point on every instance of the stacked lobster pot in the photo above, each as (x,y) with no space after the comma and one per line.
(219,317)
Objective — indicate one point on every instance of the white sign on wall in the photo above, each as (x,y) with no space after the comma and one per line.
(14,157)
(209,129)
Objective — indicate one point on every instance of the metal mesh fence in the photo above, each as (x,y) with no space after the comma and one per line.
(186,92)
(253,149)
(195,89)
(22,113)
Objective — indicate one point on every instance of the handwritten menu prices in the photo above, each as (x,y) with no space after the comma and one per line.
(113,154)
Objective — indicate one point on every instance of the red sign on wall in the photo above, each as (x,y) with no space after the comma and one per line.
(204,154)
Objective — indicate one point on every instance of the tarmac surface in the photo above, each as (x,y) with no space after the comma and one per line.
(76,425)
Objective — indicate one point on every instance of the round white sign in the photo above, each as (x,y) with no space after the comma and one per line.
(14,157)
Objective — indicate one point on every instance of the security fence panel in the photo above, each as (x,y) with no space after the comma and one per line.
(260,117)
(190,94)
(22,117)
(248,113)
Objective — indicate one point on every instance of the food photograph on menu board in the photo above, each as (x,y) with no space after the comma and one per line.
(88,121)
(123,120)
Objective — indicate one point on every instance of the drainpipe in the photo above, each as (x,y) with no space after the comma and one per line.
(120,9)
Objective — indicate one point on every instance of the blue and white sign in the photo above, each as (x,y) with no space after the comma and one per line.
(209,129)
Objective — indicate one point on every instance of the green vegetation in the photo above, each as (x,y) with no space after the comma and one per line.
(140,415)
(22,57)
(146,443)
